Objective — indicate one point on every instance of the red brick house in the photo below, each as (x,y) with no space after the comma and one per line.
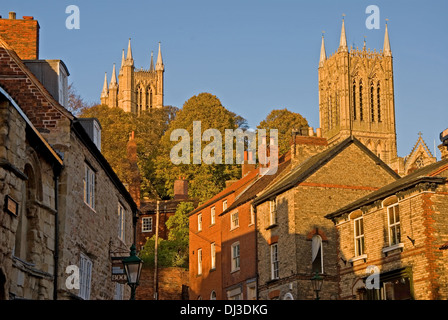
(205,241)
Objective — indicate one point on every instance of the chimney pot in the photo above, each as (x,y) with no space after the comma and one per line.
(12,15)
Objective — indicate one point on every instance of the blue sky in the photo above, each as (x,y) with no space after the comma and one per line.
(254,55)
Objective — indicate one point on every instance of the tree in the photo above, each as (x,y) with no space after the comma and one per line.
(284,121)
(117,125)
(205,179)
(76,103)
(171,252)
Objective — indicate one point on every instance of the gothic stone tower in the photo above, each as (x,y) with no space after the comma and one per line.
(135,90)
(356,97)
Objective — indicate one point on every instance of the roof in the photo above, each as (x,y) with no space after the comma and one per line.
(258,186)
(85,139)
(36,138)
(165,206)
(309,166)
(242,183)
(425,174)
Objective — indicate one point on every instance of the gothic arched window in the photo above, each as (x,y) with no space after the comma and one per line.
(360,101)
(330,114)
(354,99)
(378,101)
(372,102)
(316,254)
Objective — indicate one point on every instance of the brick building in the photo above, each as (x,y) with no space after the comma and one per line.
(294,239)
(239,234)
(390,241)
(205,241)
(95,213)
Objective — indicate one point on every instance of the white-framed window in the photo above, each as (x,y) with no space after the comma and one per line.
(235,294)
(200,222)
(146,224)
(234,220)
(317,262)
(212,215)
(213,255)
(85,276)
(121,222)
(273,212)
(213,295)
(274,261)
(393,220)
(89,186)
(252,215)
(235,256)
(359,236)
(224,205)
(118,291)
(199,261)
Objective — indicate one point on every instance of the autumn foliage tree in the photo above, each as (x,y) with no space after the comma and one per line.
(284,121)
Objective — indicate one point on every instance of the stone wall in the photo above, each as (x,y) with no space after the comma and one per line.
(27,241)
(172,284)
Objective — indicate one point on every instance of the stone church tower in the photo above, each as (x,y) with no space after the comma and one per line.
(135,90)
(356,97)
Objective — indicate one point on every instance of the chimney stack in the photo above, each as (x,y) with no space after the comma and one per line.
(22,35)
(181,189)
(248,164)
(305,144)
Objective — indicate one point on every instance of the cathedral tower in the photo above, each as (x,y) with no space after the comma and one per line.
(356,96)
(136,90)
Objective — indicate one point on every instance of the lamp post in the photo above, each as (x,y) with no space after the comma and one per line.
(133,268)
(317,282)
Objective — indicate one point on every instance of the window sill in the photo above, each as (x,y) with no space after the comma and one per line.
(361,257)
(236,270)
(272,226)
(90,207)
(235,227)
(386,250)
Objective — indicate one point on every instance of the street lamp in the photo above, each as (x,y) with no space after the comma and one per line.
(317,281)
(133,268)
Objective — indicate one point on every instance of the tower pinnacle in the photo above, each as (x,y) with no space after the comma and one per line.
(105,88)
(113,80)
(343,41)
(151,67)
(159,64)
(129,58)
(386,48)
(323,55)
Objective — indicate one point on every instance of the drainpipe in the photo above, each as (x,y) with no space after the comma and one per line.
(56,173)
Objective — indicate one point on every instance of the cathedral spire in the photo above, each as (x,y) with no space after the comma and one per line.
(343,41)
(151,67)
(129,58)
(113,80)
(159,64)
(105,88)
(386,48)
(323,55)
(122,59)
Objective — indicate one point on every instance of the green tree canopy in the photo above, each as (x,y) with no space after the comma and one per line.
(284,121)
(205,179)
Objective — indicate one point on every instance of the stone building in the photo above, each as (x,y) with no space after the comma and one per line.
(135,90)
(95,213)
(294,239)
(356,96)
(29,169)
(390,240)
